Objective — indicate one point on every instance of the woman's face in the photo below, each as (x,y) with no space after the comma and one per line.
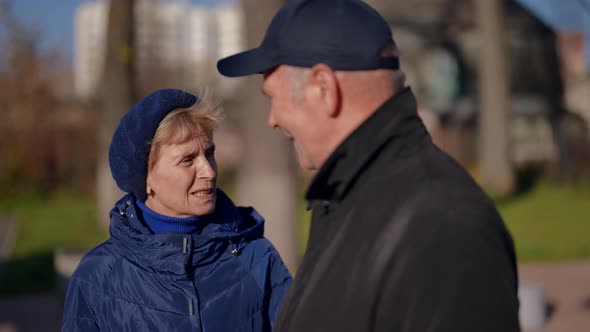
(181,182)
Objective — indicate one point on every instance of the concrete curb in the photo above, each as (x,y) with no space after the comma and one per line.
(65,262)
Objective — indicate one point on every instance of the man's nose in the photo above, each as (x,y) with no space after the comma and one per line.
(272,123)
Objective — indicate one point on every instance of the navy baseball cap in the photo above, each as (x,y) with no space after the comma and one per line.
(343,34)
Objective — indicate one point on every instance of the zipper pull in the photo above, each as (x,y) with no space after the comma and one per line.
(191,307)
(185,245)
(326,206)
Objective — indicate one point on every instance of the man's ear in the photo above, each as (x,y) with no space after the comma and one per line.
(323,90)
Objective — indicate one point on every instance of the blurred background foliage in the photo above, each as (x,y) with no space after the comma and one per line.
(49,137)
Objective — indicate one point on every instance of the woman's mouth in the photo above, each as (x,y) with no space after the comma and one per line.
(203,193)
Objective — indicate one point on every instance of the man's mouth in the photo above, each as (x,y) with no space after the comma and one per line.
(287,135)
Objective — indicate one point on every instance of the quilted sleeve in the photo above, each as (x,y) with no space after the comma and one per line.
(78,314)
(280,280)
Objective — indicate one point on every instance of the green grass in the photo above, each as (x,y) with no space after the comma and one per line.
(550,222)
(304,221)
(45,223)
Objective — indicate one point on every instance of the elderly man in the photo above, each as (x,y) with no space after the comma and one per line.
(402,239)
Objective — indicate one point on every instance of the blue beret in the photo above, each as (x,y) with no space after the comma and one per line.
(128,153)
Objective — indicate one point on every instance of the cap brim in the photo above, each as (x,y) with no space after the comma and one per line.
(253,61)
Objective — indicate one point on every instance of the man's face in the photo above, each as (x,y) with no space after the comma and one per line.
(182,180)
(291,114)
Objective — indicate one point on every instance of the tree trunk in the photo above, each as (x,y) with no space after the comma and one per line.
(266,177)
(116,96)
(494,93)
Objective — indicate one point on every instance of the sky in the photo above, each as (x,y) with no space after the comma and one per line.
(55,19)
(571,15)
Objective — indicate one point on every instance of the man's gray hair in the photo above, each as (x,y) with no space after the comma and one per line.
(298,76)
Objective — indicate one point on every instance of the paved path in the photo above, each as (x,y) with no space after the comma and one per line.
(31,313)
(25,313)
(566,287)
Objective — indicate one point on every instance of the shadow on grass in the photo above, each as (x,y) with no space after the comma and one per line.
(527,179)
(32,274)
(549,310)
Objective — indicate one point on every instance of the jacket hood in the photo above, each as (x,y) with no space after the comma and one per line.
(173,253)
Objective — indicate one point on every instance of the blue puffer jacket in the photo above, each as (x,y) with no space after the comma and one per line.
(227,278)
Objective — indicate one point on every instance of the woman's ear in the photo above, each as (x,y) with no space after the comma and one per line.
(322,89)
(148,186)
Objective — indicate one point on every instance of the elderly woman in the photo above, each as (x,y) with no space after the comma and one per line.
(181,256)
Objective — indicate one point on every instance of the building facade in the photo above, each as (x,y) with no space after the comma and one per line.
(177,44)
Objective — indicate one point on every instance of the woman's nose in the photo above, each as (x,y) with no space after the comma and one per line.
(207,170)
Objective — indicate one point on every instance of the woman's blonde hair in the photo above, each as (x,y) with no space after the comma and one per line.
(183,124)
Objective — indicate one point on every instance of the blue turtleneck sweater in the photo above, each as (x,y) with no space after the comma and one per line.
(160,224)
